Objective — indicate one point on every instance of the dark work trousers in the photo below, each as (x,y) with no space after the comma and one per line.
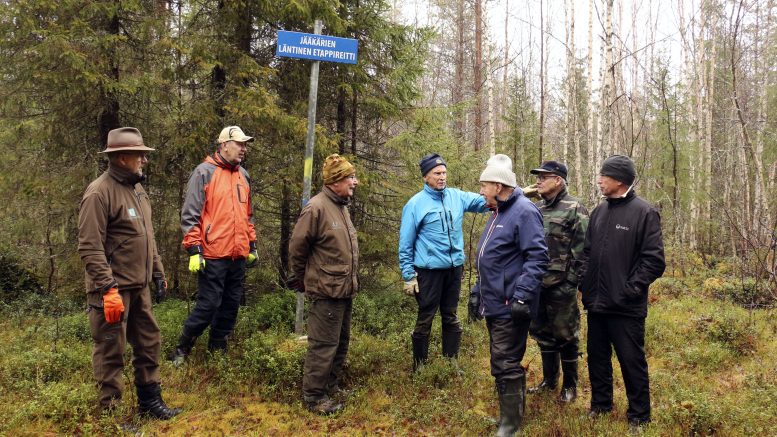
(627,335)
(219,289)
(507,341)
(138,328)
(438,288)
(329,332)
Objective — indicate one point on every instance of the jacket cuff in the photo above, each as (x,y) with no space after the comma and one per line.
(104,289)
(252,246)
(194,250)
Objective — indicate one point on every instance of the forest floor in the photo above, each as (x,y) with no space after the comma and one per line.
(712,371)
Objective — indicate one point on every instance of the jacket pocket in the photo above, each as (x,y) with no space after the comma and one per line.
(556,274)
(558,229)
(332,279)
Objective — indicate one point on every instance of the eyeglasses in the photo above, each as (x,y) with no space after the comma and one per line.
(543,178)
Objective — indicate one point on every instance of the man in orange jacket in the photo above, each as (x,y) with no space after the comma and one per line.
(218,228)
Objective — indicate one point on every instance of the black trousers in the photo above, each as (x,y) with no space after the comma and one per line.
(507,342)
(329,332)
(220,287)
(438,288)
(627,336)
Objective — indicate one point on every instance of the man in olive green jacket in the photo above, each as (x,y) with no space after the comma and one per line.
(324,260)
(116,244)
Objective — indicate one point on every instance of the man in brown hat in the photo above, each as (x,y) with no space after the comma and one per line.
(218,227)
(324,260)
(116,243)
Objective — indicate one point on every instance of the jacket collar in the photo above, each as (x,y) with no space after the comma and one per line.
(124,176)
(502,205)
(219,161)
(434,193)
(630,195)
(560,195)
(334,197)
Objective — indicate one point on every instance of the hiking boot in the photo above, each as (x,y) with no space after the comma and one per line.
(150,403)
(324,406)
(184,348)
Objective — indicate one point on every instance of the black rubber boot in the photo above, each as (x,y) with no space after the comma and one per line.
(451,341)
(150,403)
(512,403)
(569,370)
(420,350)
(217,345)
(550,365)
(184,348)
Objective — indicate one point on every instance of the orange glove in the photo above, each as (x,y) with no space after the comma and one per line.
(113,306)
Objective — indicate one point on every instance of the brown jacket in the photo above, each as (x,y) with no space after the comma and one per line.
(115,234)
(324,249)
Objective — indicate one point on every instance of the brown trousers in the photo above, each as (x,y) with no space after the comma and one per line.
(329,332)
(139,328)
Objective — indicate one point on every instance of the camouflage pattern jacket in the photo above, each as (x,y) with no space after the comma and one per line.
(566,221)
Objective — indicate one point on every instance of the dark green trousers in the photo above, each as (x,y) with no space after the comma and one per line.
(139,328)
(329,332)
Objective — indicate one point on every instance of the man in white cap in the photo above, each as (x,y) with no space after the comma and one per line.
(117,246)
(511,260)
(219,236)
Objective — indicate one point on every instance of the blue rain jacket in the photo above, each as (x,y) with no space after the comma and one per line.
(430,236)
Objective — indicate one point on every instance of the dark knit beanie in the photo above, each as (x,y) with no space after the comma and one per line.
(429,162)
(620,168)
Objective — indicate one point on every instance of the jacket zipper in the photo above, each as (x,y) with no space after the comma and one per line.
(599,261)
(448,229)
(145,231)
(350,245)
(483,247)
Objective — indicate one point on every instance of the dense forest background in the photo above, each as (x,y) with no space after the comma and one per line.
(704,138)
(697,117)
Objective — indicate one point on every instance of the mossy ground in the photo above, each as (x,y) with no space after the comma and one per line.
(712,368)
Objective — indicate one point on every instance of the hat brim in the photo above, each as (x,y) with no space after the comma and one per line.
(138,148)
(245,139)
(542,170)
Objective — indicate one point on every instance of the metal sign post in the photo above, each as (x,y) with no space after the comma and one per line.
(318,48)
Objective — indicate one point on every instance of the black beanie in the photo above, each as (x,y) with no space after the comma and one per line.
(620,168)
(429,162)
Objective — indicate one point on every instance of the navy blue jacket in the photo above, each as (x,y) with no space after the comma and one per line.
(511,258)
(625,252)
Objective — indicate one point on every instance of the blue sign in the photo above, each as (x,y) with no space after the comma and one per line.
(316,47)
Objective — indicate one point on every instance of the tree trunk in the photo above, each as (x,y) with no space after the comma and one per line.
(542,81)
(458,87)
(478,81)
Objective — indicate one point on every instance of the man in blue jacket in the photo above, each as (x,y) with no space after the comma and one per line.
(431,255)
(625,252)
(511,259)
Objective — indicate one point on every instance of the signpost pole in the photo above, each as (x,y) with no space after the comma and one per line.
(299,323)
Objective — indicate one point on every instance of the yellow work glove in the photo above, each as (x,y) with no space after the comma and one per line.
(411,287)
(252,255)
(113,306)
(196,263)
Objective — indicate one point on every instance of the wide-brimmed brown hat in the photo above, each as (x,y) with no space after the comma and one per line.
(125,139)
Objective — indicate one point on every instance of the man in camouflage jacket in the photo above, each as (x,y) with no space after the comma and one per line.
(557,327)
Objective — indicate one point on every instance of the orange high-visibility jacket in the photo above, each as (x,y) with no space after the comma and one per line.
(217,215)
